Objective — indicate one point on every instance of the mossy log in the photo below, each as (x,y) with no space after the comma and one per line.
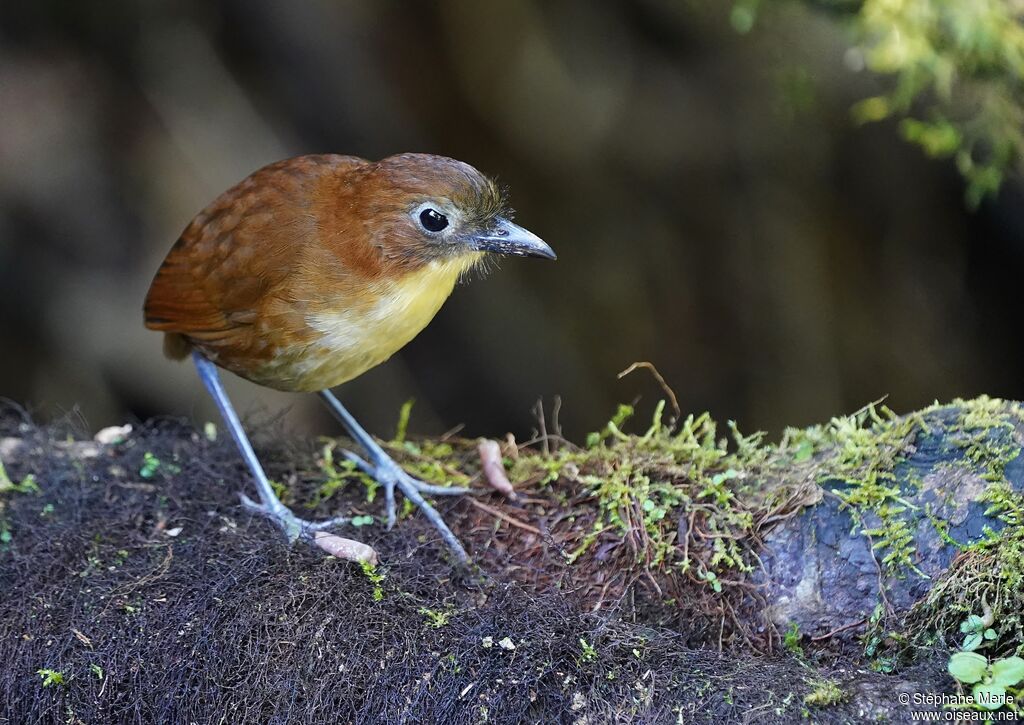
(952,486)
(617,575)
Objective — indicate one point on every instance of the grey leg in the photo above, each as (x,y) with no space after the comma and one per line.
(270,505)
(381,467)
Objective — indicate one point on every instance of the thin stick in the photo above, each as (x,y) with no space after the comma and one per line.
(661,381)
(539,412)
(504,517)
(837,630)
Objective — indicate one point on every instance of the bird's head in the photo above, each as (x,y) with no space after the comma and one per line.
(430,208)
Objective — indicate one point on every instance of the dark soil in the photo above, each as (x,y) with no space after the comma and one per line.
(160,600)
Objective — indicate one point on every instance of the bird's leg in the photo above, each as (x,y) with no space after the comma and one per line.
(389,474)
(270,505)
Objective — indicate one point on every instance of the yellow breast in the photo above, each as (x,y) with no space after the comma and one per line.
(351,340)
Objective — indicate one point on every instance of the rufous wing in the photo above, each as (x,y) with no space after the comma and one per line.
(235,255)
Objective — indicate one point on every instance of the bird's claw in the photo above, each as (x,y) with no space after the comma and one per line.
(390,475)
(361,464)
(291,525)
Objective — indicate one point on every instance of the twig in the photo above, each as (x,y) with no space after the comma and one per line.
(451,432)
(556,408)
(837,630)
(504,517)
(661,381)
(539,412)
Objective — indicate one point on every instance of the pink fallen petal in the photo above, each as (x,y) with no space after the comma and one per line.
(494,470)
(346,549)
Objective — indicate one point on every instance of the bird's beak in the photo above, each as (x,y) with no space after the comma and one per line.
(512,240)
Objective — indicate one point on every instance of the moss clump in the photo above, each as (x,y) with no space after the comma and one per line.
(988,575)
(7,486)
(825,694)
(989,572)
(860,453)
(729,488)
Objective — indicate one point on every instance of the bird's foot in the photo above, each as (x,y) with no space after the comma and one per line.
(291,525)
(391,476)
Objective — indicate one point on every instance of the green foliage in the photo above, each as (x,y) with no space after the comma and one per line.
(436,618)
(588,651)
(990,569)
(791,640)
(991,681)
(151,465)
(27,485)
(712,579)
(744,15)
(337,475)
(976,631)
(280,490)
(957,77)
(957,70)
(967,667)
(51,677)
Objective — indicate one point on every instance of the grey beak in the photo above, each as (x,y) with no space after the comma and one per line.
(512,240)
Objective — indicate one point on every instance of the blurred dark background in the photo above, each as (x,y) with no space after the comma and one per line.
(715,209)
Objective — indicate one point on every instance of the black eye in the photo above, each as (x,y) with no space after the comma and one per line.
(433,220)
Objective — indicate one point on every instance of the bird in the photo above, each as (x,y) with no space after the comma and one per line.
(315,269)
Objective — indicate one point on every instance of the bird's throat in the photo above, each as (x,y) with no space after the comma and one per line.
(355,336)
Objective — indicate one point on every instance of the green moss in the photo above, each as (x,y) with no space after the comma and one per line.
(644,484)
(151,465)
(52,677)
(27,485)
(588,653)
(337,474)
(859,455)
(436,618)
(429,461)
(403,421)
(791,640)
(376,579)
(991,569)
(825,694)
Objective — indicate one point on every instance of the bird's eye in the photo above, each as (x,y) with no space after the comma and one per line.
(433,220)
